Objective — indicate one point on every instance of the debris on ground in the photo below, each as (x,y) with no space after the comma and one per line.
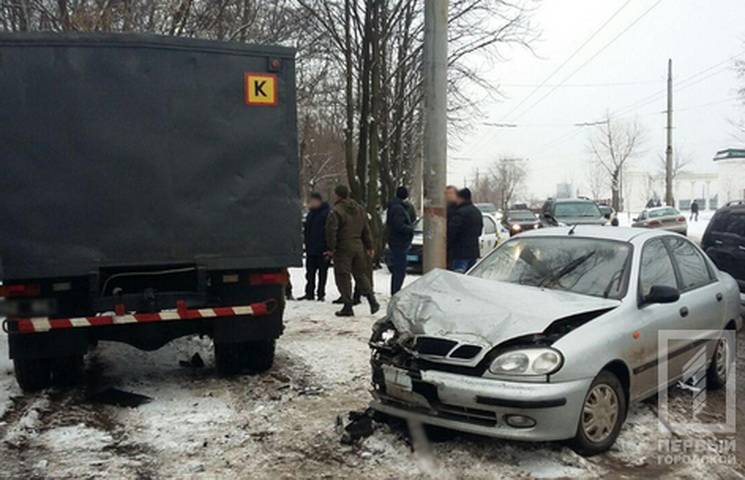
(119,398)
(361,425)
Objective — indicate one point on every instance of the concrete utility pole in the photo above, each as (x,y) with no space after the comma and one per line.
(669,150)
(435,133)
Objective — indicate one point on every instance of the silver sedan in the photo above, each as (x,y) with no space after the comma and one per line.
(663,218)
(553,334)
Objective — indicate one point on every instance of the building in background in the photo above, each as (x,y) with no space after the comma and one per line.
(731,172)
(641,186)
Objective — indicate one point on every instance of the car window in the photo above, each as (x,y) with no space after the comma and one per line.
(580,265)
(663,212)
(656,267)
(720,222)
(576,209)
(692,266)
(489,226)
(737,224)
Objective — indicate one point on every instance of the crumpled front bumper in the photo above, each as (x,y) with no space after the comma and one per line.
(480,405)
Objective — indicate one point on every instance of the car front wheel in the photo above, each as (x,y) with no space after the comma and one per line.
(716,375)
(603,413)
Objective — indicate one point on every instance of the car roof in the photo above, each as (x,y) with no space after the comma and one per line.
(652,209)
(573,200)
(623,234)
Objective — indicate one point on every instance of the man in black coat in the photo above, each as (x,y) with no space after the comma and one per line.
(400,228)
(694,211)
(464,230)
(315,247)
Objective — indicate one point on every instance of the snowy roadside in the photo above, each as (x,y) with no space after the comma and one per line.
(281,424)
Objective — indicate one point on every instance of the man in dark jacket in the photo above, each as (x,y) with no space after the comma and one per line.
(464,230)
(348,241)
(694,211)
(400,228)
(316,263)
(451,198)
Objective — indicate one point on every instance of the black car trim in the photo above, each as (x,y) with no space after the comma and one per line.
(690,346)
(507,403)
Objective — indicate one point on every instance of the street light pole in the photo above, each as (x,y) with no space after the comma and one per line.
(434,168)
(669,150)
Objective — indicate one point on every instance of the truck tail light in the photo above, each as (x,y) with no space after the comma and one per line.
(20,290)
(273,278)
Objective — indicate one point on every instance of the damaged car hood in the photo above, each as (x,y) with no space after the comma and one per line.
(466,308)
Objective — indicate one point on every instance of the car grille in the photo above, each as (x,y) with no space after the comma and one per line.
(443,347)
(475,416)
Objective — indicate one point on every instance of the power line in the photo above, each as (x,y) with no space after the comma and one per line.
(593,57)
(568,59)
(580,85)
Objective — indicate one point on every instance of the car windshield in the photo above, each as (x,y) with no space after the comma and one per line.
(487,207)
(662,212)
(586,266)
(520,215)
(576,209)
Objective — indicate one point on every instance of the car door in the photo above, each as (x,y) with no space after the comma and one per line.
(488,239)
(656,268)
(701,297)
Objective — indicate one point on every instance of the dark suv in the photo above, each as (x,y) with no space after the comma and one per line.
(571,211)
(724,240)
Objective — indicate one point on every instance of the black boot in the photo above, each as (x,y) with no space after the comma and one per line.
(306,297)
(346,311)
(338,301)
(374,305)
(356,299)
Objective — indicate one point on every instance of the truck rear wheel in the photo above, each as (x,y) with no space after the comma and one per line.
(253,357)
(32,374)
(67,371)
(259,355)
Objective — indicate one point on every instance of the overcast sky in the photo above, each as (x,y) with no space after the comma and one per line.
(700,36)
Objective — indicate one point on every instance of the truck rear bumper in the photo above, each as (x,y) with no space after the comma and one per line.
(45,324)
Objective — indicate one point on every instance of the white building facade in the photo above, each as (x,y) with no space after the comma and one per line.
(731,170)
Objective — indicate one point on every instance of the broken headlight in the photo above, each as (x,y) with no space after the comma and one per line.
(528,361)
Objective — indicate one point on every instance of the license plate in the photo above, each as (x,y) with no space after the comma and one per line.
(397,378)
(412,258)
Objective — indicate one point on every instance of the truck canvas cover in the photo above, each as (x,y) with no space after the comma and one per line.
(122,150)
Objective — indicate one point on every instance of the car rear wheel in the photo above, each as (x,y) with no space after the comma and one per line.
(32,374)
(603,413)
(716,374)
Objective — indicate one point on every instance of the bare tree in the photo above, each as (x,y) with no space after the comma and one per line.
(597,181)
(613,146)
(503,181)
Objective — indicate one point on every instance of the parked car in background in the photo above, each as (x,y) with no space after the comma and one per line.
(724,241)
(517,221)
(665,218)
(610,214)
(571,211)
(503,350)
(490,238)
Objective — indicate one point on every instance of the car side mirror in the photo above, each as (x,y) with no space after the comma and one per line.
(635,219)
(607,215)
(662,294)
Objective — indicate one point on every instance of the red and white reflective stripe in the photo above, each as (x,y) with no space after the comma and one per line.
(45,324)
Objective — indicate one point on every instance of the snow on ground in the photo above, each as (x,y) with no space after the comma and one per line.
(281,424)
(7,381)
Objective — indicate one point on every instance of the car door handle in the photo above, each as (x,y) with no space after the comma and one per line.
(684,312)
(719,297)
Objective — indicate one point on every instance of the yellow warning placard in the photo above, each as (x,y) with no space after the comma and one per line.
(261,89)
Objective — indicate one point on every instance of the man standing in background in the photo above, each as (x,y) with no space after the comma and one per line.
(694,211)
(348,240)
(464,230)
(316,263)
(400,227)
